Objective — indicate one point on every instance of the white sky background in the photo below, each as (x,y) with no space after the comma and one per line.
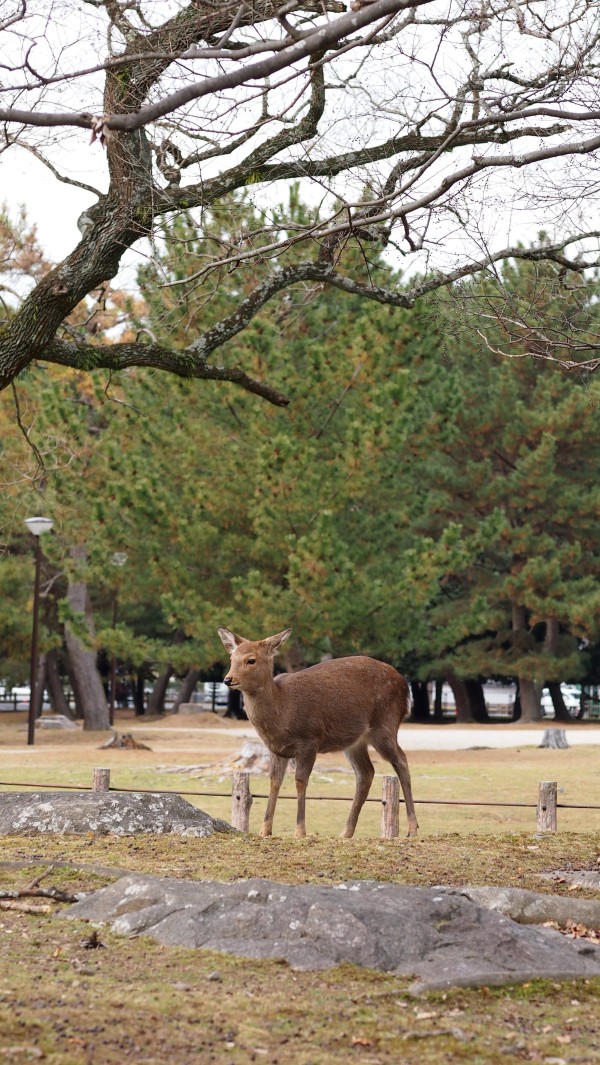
(53,206)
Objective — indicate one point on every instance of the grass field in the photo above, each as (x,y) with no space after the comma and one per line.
(133,1001)
(494,776)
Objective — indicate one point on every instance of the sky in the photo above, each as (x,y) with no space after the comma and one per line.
(52,205)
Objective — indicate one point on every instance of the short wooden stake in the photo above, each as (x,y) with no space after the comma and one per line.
(390,809)
(100,779)
(546,808)
(241,801)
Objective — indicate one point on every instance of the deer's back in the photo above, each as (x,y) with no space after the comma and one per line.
(341,700)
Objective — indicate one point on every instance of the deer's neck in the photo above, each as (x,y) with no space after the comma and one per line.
(264,710)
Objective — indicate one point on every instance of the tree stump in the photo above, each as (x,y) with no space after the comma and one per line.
(125,742)
(555,738)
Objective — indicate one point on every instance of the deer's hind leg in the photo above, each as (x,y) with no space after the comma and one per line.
(358,756)
(305,761)
(387,747)
(276,775)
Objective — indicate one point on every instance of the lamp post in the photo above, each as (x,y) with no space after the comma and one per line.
(37,526)
(118,559)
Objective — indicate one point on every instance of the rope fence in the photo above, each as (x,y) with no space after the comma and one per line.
(242,797)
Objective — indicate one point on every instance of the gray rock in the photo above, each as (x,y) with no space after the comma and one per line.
(55,721)
(438,935)
(80,812)
(580,878)
(531,907)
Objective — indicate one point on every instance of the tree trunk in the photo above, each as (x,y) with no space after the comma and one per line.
(186,689)
(87,685)
(551,636)
(551,647)
(477,707)
(461,698)
(58,699)
(529,695)
(517,707)
(87,682)
(77,713)
(560,711)
(138,694)
(156,702)
(551,639)
(420,700)
(438,712)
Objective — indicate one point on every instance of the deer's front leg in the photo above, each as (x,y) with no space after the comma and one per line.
(276,775)
(304,766)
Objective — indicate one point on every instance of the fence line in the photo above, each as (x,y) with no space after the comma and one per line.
(242,798)
(309,797)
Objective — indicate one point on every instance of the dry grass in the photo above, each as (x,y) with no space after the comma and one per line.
(134,1001)
(495,776)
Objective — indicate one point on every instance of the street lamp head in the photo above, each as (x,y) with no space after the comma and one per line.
(119,558)
(37,526)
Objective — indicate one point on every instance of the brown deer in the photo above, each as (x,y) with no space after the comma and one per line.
(341,705)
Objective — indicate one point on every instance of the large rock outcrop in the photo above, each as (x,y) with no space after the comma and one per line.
(122,814)
(441,936)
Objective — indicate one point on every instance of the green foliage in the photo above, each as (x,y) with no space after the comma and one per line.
(515,444)
(16,591)
(414,494)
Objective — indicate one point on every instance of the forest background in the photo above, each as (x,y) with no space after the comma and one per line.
(424,499)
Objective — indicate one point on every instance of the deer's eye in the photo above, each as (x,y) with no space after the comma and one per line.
(251,662)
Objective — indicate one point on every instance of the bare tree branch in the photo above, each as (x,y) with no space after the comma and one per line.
(418,131)
(187,363)
(320,40)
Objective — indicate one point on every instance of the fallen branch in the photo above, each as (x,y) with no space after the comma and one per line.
(56,894)
(25,907)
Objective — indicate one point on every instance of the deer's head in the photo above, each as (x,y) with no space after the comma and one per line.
(251,665)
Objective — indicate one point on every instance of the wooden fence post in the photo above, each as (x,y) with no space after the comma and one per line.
(546,808)
(100,779)
(241,801)
(390,809)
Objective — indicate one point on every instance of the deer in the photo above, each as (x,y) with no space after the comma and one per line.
(343,704)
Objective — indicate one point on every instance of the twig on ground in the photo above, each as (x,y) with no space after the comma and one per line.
(56,894)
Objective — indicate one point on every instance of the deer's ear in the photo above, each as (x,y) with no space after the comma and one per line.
(229,640)
(273,643)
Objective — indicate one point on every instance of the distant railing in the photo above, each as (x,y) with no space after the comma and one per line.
(18,701)
(242,798)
